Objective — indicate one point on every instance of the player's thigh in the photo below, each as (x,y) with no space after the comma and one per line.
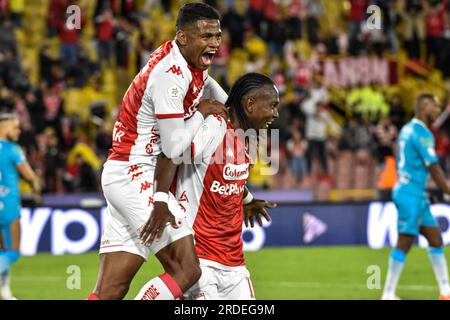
(179,254)
(236,285)
(117,269)
(206,287)
(409,211)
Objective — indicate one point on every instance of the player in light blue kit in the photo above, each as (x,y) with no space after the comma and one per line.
(415,160)
(12,162)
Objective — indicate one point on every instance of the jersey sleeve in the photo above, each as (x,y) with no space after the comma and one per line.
(17,155)
(208,138)
(424,144)
(168,89)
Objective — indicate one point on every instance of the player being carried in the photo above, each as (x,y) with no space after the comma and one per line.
(160,103)
(12,163)
(212,190)
(415,160)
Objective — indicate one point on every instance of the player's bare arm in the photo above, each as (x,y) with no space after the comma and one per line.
(439,177)
(164,175)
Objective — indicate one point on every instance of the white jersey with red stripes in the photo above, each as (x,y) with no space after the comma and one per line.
(167,87)
(211,190)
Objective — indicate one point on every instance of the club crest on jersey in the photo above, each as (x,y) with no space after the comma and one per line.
(176,70)
(236,171)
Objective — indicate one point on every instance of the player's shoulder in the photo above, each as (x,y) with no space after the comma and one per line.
(170,65)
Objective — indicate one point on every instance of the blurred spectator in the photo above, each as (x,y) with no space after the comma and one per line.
(398,112)
(53,163)
(7,36)
(104,35)
(296,13)
(386,135)
(314,12)
(414,26)
(16,8)
(103,141)
(297,147)
(435,19)
(255,14)
(317,120)
(55,18)
(390,21)
(234,23)
(219,68)
(356,17)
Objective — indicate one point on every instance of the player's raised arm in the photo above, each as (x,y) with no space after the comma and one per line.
(214,91)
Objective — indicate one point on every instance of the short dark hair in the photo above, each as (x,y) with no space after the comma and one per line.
(193,12)
(421,97)
(241,89)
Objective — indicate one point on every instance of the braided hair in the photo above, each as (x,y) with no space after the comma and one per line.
(243,88)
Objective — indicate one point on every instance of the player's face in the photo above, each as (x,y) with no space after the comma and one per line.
(264,109)
(201,42)
(13,130)
(432,109)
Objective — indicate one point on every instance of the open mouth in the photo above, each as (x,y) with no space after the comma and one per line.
(268,123)
(207,57)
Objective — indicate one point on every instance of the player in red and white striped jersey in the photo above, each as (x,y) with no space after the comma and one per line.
(211,189)
(161,100)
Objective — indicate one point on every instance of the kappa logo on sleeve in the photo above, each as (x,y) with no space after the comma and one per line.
(176,70)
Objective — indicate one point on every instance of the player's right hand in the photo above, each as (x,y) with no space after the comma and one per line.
(159,219)
(210,106)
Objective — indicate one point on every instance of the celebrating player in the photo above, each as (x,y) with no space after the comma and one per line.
(12,163)
(416,158)
(158,116)
(212,190)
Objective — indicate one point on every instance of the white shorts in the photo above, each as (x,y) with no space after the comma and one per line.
(220,282)
(128,190)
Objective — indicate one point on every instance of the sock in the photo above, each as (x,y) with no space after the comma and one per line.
(93,296)
(5,285)
(437,259)
(396,262)
(163,287)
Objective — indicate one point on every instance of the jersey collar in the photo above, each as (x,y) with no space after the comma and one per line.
(178,53)
(415,120)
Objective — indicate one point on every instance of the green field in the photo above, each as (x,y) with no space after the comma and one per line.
(277,273)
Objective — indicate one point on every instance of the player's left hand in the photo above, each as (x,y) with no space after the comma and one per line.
(159,219)
(256,209)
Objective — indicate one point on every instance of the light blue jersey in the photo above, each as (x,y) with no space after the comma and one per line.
(10,156)
(415,154)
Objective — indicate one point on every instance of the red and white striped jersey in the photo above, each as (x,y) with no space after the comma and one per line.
(167,87)
(211,191)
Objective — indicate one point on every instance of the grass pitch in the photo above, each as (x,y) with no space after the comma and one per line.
(277,273)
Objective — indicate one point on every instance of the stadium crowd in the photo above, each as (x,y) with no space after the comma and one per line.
(66,84)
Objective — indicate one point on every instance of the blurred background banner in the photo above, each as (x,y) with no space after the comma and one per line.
(75,230)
